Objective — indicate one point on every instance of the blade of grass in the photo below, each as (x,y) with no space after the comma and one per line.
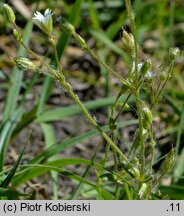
(11,174)
(180,130)
(93,15)
(178,171)
(6,132)
(50,139)
(173,191)
(60,113)
(104,39)
(54,165)
(114,28)
(25,120)
(57,148)
(4,192)
(16,77)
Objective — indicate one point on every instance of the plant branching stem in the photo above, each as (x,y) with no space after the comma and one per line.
(137,91)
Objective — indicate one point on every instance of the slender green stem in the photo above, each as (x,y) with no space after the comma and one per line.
(92,121)
(85,47)
(51,39)
(133,28)
(152,143)
(164,84)
(60,77)
(140,117)
(137,96)
(122,107)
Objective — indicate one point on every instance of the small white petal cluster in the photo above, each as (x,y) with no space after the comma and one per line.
(44,21)
(43,18)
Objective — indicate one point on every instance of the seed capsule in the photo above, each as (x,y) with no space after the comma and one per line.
(25,63)
(9,13)
(128,43)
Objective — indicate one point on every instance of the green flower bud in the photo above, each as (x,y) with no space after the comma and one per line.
(136,143)
(168,162)
(9,13)
(144,188)
(80,41)
(132,171)
(135,161)
(68,27)
(146,66)
(128,43)
(126,106)
(25,63)
(163,76)
(174,53)
(147,117)
(17,35)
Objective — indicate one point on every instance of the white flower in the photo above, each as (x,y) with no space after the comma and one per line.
(43,18)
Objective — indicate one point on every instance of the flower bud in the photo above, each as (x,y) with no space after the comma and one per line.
(25,63)
(174,53)
(132,171)
(68,27)
(80,41)
(128,43)
(146,66)
(149,77)
(162,76)
(126,106)
(168,162)
(9,13)
(147,117)
(143,190)
(17,35)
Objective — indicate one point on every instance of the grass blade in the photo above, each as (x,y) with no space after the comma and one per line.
(16,77)
(57,148)
(6,132)
(11,174)
(4,192)
(60,113)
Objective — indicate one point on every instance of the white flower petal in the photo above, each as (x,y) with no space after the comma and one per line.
(43,18)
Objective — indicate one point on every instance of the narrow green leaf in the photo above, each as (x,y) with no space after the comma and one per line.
(57,148)
(173,191)
(6,132)
(116,26)
(36,170)
(60,113)
(11,174)
(16,77)
(180,130)
(25,120)
(4,192)
(93,15)
(104,39)
(50,140)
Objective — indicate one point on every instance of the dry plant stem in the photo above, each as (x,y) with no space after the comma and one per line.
(137,96)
